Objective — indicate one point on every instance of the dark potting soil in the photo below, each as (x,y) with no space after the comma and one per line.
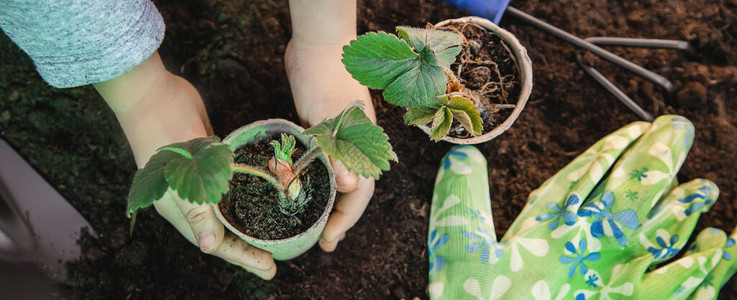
(486,67)
(232,51)
(251,204)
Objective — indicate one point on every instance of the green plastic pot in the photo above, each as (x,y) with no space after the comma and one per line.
(287,248)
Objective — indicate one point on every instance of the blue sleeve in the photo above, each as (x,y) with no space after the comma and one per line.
(78,42)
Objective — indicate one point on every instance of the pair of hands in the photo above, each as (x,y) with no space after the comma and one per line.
(156,108)
(316,97)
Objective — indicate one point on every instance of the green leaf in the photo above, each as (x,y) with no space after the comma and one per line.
(444,44)
(465,112)
(463,118)
(409,78)
(328,126)
(352,139)
(420,115)
(202,170)
(419,86)
(377,59)
(441,124)
(149,183)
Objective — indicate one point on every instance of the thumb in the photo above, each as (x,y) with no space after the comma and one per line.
(461,237)
(461,193)
(207,229)
(345,181)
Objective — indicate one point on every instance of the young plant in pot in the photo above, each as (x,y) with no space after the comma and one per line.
(270,182)
(467,78)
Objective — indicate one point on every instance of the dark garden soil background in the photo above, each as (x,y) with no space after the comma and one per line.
(232,52)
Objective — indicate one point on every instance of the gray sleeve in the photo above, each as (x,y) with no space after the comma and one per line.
(78,42)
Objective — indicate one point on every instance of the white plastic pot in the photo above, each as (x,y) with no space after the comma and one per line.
(290,247)
(525,74)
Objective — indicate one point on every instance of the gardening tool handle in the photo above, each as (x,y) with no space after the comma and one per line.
(642,43)
(612,89)
(36,222)
(489,9)
(583,44)
(16,235)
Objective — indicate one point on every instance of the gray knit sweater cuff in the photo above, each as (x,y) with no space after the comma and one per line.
(74,43)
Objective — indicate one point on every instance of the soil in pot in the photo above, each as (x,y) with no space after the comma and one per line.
(487,68)
(251,205)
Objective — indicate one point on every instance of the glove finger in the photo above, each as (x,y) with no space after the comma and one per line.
(659,238)
(461,241)
(681,278)
(638,180)
(557,200)
(671,223)
(726,267)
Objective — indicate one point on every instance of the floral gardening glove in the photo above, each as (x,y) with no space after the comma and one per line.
(598,229)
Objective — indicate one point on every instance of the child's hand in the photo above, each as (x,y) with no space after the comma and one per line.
(156,108)
(322,88)
(199,225)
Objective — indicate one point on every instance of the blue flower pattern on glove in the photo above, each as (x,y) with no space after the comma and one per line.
(730,243)
(683,123)
(628,218)
(666,250)
(475,215)
(486,244)
(457,153)
(579,258)
(694,200)
(436,242)
(560,213)
(591,280)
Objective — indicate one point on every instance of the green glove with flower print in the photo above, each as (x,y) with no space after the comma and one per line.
(601,228)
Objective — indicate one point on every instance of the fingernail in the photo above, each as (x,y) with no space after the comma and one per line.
(207,241)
